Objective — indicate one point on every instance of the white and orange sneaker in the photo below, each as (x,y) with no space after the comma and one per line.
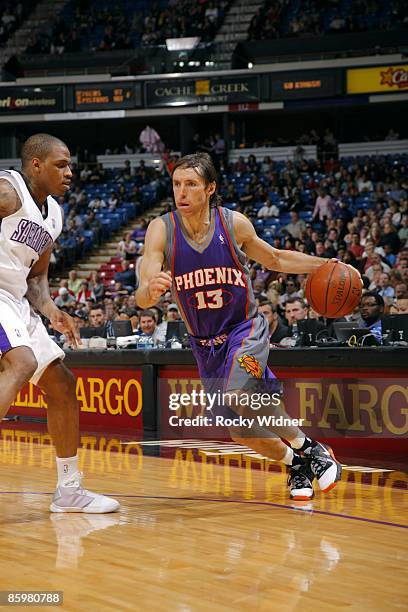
(300,481)
(73,498)
(324,466)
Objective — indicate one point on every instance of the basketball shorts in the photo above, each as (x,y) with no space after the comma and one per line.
(21,326)
(236,360)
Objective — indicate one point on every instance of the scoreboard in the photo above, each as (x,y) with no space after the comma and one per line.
(107,96)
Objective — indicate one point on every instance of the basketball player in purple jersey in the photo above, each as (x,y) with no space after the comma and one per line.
(200,251)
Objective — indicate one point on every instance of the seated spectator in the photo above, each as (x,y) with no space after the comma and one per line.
(385,289)
(277,330)
(97,203)
(97,315)
(268,210)
(116,290)
(291,291)
(371,311)
(296,225)
(126,276)
(127,247)
(85,293)
(74,283)
(400,306)
(390,236)
(172,314)
(403,231)
(324,206)
(96,286)
(147,323)
(295,310)
(64,298)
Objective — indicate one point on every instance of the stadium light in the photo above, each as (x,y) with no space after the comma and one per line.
(186,43)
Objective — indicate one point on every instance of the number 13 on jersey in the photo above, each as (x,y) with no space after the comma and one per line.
(209,299)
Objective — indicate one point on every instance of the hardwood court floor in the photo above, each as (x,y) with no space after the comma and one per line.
(198,535)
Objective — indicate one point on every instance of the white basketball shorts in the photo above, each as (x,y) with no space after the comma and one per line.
(21,326)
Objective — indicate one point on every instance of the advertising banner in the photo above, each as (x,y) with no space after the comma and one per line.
(352,406)
(381,79)
(305,84)
(16,100)
(108,399)
(214,90)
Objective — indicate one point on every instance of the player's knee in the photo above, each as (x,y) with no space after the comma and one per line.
(21,363)
(63,383)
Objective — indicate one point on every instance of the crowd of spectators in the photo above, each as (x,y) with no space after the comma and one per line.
(289,18)
(100,201)
(12,16)
(85,26)
(353,209)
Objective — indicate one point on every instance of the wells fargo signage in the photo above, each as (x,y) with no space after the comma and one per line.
(107,398)
(379,79)
(329,408)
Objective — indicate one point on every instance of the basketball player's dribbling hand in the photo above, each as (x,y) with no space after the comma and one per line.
(62,322)
(159,284)
(334,260)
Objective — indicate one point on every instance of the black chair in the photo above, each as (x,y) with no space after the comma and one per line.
(395,327)
(90,332)
(122,328)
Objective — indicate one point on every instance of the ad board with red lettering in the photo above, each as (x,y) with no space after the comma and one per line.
(109,399)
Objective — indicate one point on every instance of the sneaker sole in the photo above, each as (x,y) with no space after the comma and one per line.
(54,508)
(301,497)
(339,469)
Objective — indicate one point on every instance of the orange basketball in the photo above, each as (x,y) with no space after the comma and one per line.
(334,289)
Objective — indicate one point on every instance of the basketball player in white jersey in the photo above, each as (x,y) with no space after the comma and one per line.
(30,221)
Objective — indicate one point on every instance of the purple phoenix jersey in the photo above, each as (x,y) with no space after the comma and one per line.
(229,338)
(211,280)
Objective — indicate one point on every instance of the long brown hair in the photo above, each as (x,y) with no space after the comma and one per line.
(203,165)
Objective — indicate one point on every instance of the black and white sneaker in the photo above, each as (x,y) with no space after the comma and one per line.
(300,482)
(324,466)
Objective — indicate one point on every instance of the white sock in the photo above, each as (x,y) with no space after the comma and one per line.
(288,457)
(299,441)
(66,468)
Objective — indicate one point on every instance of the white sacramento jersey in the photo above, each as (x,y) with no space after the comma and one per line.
(24,236)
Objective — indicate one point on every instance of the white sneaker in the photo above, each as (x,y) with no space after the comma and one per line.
(73,498)
(324,466)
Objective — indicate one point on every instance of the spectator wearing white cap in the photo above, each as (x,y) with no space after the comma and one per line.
(172,314)
(64,298)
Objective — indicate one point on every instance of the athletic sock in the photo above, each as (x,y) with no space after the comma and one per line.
(66,468)
(303,444)
(291,458)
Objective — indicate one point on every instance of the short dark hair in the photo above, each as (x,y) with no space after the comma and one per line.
(148,313)
(38,145)
(267,303)
(297,299)
(203,165)
(378,298)
(97,307)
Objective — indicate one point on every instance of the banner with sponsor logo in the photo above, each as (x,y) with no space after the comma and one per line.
(214,90)
(108,399)
(305,84)
(352,406)
(16,100)
(381,79)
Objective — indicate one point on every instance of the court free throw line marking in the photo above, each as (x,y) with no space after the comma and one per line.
(232,501)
